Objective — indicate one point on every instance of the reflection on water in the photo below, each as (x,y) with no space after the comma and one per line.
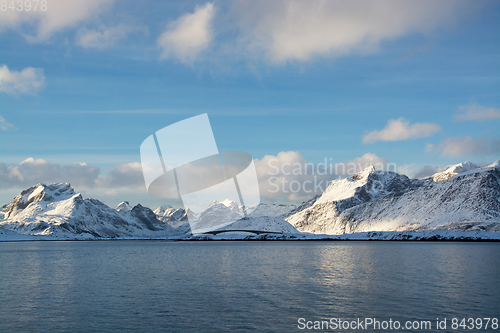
(248,286)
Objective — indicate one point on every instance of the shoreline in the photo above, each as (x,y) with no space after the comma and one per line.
(390,236)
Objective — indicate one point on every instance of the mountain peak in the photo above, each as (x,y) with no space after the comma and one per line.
(163,210)
(461,167)
(124,205)
(228,203)
(454,170)
(363,174)
(39,193)
(494,164)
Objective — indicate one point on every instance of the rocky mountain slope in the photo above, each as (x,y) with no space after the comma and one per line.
(227,215)
(454,170)
(464,197)
(58,211)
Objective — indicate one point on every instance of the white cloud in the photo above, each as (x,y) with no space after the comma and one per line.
(81,175)
(477,112)
(5,125)
(111,193)
(123,175)
(28,81)
(418,171)
(301,30)
(190,34)
(105,37)
(463,146)
(30,172)
(59,15)
(400,129)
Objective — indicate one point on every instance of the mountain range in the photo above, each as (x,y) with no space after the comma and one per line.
(464,198)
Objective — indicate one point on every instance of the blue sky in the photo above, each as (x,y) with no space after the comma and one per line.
(87,83)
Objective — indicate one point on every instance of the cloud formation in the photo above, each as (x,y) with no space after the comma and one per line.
(400,129)
(30,172)
(428,170)
(477,112)
(123,175)
(26,82)
(189,35)
(464,146)
(277,31)
(59,15)
(299,30)
(6,126)
(106,37)
(81,175)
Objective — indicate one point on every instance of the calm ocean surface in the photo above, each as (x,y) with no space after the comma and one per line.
(159,286)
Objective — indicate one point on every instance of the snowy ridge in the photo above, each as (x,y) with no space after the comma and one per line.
(272,210)
(464,204)
(454,170)
(123,206)
(227,203)
(343,194)
(263,223)
(495,164)
(56,210)
(226,215)
(467,201)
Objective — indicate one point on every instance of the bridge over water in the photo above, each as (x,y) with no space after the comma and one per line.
(257,232)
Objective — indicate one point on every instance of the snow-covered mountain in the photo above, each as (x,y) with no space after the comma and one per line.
(167,213)
(227,203)
(463,198)
(454,170)
(58,211)
(215,216)
(124,205)
(468,199)
(343,194)
(262,223)
(495,164)
(228,215)
(272,210)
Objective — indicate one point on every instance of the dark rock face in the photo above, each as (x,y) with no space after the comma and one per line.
(146,217)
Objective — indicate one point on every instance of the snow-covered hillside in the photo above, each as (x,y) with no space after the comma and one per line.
(272,210)
(464,198)
(58,211)
(454,170)
(468,199)
(124,205)
(227,215)
(343,194)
